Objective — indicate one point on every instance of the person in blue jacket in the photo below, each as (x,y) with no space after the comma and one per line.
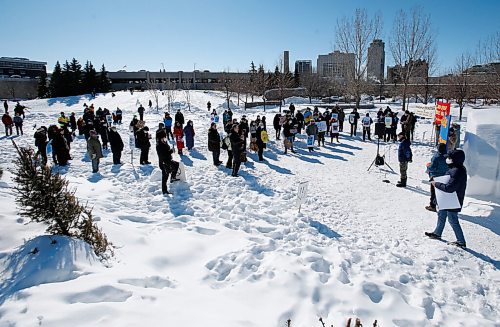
(167,121)
(457,183)
(189,134)
(404,157)
(437,167)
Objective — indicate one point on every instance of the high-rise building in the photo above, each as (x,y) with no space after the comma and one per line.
(303,67)
(286,62)
(376,61)
(336,65)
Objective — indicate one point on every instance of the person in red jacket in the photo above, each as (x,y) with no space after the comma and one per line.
(7,121)
(179,134)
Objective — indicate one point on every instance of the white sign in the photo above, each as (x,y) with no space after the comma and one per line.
(366,121)
(388,122)
(446,200)
(321,126)
(131,141)
(335,116)
(335,128)
(352,118)
(302,193)
(109,119)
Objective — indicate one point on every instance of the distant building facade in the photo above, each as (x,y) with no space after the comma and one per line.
(336,65)
(286,62)
(418,75)
(21,68)
(376,61)
(303,67)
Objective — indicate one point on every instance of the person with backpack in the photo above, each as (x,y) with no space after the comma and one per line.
(457,183)
(214,143)
(7,121)
(167,165)
(94,150)
(18,122)
(116,143)
(437,167)
(404,157)
(189,133)
(41,143)
(367,123)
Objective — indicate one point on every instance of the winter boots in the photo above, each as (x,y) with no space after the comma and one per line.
(430,208)
(401,183)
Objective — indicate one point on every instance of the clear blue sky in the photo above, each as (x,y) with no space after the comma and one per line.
(217,34)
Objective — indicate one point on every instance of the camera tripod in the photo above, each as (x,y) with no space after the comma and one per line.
(379,159)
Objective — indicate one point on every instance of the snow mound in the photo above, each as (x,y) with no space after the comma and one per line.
(482,144)
(232,106)
(45,259)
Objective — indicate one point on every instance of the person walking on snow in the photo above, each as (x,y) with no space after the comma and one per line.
(165,162)
(456,183)
(437,167)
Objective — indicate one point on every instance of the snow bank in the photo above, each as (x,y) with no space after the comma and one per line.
(482,144)
(45,259)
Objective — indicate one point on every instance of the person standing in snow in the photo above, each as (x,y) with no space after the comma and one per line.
(456,183)
(144,144)
(167,122)
(277,125)
(292,109)
(119,115)
(60,147)
(404,157)
(165,162)
(179,134)
(312,130)
(437,167)
(237,147)
(7,121)
(209,105)
(5,105)
(72,122)
(179,118)
(260,143)
(18,122)
(94,150)
(41,143)
(189,133)
(367,123)
(116,143)
(140,110)
(353,120)
(214,143)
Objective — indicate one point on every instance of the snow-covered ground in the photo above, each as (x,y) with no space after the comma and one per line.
(225,251)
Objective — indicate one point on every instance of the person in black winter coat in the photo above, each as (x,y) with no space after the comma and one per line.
(60,148)
(404,157)
(354,121)
(214,143)
(456,183)
(179,117)
(116,142)
(140,110)
(72,122)
(41,143)
(277,125)
(165,162)
(237,148)
(144,144)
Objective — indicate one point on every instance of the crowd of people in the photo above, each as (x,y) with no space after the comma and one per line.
(98,128)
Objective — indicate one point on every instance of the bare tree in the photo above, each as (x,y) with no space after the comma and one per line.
(460,81)
(411,36)
(153,90)
(353,35)
(186,87)
(488,52)
(430,56)
(170,92)
(312,83)
(226,84)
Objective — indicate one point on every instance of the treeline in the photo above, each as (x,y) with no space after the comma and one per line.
(70,80)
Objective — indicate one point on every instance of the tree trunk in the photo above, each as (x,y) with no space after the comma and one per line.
(404,96)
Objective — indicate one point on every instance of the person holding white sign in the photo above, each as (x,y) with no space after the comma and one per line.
(367,123)
(457,183)
(353,120)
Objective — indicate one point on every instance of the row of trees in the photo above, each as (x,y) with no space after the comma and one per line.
(70,80)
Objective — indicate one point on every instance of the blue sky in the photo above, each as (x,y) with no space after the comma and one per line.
(217,34)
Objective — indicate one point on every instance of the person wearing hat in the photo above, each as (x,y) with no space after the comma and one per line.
(41,143)
(312,130)
(179,118)
(437,167)
(237,147)
(214,143)
(116,143)
(144,144)
(167,122)
(94,150)
(457,183)
(404,157)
